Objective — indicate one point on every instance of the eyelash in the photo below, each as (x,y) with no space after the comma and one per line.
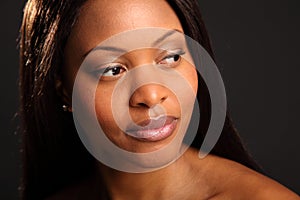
(105,70)
(118,67)
(176,55)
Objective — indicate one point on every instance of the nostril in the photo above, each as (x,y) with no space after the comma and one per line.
(163,99)
(149,105)
(148,96)
(143,105)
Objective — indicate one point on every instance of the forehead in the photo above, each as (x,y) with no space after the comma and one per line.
(101,19)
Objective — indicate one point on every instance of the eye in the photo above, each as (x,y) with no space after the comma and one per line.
(172,58)
(112,70)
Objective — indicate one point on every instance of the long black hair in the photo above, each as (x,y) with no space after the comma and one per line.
(53,155)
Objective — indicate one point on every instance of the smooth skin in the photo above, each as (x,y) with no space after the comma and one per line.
(187,178)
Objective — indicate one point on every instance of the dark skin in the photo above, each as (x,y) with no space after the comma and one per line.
(212,178)
(187,178)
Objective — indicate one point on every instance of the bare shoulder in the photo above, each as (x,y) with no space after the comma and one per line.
(240,182)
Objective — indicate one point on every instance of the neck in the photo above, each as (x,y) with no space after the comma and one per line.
(161,184)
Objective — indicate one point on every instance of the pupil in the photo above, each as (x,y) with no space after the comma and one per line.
(176,57)
(116,70)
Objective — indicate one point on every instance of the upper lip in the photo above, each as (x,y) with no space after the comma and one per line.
(151,124)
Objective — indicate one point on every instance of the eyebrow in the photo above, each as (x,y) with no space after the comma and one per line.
(106,48)
(120,50)
(166,35)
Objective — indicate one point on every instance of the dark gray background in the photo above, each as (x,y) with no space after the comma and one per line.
(256,44)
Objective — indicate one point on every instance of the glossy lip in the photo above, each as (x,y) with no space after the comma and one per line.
(154,129)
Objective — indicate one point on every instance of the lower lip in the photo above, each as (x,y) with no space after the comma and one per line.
(153,135)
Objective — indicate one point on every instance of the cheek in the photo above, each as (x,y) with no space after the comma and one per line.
(103,97)
(189,72)
(193,79)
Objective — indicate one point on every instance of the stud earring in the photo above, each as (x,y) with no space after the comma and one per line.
(66,108)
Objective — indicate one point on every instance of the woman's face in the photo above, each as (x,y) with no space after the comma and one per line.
(152,104)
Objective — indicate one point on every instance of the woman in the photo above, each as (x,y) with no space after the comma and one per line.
(55,39)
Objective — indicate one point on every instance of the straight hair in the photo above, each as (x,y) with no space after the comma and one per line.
(53,155)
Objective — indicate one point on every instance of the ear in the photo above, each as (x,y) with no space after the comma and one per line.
(64,95)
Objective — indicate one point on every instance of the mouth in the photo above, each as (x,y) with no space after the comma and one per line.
(154,129)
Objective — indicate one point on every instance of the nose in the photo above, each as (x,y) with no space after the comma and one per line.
(148,96)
